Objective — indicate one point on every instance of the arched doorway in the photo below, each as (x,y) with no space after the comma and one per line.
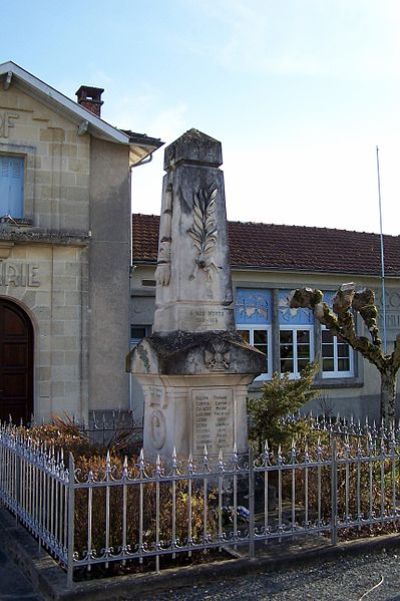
(16,363)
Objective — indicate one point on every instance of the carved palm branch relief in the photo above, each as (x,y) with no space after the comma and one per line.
(204,231)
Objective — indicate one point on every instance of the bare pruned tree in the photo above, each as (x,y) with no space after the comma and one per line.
(341,323)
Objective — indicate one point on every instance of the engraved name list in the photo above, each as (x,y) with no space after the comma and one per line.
(213,420)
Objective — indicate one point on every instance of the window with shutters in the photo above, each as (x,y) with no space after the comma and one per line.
(12,170)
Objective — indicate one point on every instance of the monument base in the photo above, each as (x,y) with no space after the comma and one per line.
(195,390)
(188,413)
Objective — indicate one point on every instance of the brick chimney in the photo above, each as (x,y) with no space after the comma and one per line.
(90,98)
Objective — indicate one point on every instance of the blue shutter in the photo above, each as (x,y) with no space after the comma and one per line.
(11,186)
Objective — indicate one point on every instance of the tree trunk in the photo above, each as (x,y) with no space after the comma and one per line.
(388,396)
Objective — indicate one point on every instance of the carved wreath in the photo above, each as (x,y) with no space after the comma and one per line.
(204,231)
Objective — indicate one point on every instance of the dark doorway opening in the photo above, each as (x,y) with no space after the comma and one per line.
(16,363)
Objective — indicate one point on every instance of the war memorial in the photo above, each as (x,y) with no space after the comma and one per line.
(194,368)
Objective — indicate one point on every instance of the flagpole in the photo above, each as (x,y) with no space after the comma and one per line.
(382,253)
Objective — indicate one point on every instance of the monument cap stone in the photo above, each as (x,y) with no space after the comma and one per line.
(193,147)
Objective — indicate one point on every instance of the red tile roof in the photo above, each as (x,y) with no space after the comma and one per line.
(287,247)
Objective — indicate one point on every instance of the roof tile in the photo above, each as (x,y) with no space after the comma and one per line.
(286,247)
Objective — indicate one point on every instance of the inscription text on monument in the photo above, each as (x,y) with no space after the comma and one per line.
(213,420)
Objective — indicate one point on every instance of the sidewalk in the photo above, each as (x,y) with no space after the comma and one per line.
(16,544)
(13,584)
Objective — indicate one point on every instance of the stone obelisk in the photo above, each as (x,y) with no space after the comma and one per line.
(194,368)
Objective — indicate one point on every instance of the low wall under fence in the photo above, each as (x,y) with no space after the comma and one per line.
(102,510)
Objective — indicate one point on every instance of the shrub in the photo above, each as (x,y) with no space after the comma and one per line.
(280,397)
(98,505)
(64,433)
(365,488)
(61,433)
(90,461)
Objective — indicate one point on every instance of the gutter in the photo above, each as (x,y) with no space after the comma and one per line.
(151,262)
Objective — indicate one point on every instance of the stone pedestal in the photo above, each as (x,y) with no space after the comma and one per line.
(185,413)
(195,390)
(194,369)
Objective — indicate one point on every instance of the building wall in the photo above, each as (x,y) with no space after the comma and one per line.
(57,161)
(50,291)
(357,395)
(76,228)
(109,263)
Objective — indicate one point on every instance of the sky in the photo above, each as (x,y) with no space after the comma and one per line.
(299,92)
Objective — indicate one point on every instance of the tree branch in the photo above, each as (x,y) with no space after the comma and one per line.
(395,357)
(340,322)
(364,303)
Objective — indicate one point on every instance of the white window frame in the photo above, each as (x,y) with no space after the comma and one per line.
(295,374)
(336,373)
(265,328)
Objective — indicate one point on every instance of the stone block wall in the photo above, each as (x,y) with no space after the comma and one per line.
(57,161)
(74,245)
(55,299)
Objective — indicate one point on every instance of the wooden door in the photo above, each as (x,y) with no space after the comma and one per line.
(16,363)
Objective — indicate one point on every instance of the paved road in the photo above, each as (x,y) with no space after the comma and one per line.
(13,584)
(342,579)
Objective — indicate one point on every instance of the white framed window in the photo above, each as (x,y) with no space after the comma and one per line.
(337,356)
(253,317)
(12,176)
(296,346)
(260,338)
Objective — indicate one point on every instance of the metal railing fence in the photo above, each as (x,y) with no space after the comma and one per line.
(346,426)
(34,485)
(112,509)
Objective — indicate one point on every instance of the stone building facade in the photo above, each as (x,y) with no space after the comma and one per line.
(267,263)
(65,241)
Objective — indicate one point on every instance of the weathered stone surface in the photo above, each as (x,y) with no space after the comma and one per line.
(195,390)
(194,369)
(75,228)
(194,288)
(193,146)
(187,412)
(196,353)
